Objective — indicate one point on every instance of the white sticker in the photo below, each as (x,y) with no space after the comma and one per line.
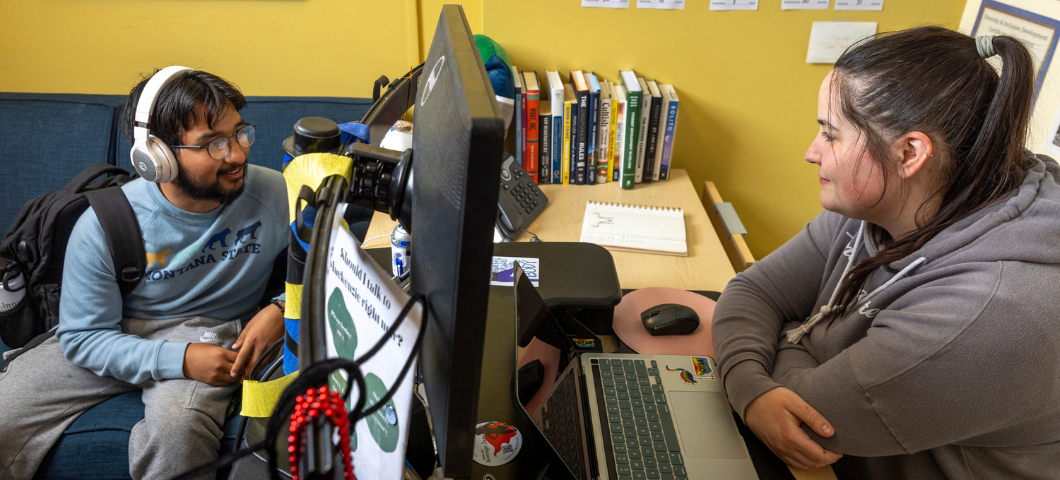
(496,443)
(502,272)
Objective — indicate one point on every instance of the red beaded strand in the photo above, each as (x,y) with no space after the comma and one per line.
(312,405)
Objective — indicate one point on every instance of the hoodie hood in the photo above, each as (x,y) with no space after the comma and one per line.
(994,229)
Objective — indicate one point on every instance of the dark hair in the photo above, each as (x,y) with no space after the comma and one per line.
(932,80)
(174,111)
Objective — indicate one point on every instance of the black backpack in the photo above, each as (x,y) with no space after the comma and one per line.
(35,246)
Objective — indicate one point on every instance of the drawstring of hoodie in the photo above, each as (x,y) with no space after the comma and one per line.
(795,335)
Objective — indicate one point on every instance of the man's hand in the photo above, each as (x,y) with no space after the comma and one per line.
(262,331)
(775,417)
(209,363)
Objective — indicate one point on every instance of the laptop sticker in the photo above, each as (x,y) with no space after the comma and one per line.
(685,375)
(584,342)
(702,367)
(496,443)
(503,272)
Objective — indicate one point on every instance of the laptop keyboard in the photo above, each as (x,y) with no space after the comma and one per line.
(640,428)
(560,423)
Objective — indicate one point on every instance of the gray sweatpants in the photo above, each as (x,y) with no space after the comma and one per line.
(42,393)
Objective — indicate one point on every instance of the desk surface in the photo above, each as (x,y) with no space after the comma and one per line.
(706,267)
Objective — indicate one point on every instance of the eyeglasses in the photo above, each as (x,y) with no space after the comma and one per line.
(219,148)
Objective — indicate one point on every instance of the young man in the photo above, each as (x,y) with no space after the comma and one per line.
(181,336)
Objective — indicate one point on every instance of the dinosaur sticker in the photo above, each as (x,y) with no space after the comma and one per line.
(685,375)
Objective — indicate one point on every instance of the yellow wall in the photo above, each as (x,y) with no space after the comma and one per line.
(267,47)
(748,99)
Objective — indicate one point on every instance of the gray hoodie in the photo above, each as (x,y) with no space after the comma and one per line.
(948,366)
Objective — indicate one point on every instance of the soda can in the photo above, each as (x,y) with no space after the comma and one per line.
(400,240)
(13,286)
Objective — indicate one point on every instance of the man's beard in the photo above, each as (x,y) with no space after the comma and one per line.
(210,191)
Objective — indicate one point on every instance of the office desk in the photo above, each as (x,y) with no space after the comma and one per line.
(706,267)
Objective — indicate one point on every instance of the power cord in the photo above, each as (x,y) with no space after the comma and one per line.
(533,236)
(373,238)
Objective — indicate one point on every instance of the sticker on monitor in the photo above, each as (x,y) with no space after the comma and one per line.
(503,271)
(496,443)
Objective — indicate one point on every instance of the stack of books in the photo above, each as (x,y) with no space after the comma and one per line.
(590,130)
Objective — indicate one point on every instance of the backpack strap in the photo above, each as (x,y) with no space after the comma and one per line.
(91,173)
(124,238)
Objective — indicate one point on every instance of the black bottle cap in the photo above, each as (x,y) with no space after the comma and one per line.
(315,135)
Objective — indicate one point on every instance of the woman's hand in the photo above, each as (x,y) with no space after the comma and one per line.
(776,416)
(261,332)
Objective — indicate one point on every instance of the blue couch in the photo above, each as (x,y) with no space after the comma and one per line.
(45,140)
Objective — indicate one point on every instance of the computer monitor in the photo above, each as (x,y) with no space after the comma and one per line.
(458,143)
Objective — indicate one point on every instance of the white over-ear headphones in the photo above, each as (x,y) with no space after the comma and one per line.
(151,157)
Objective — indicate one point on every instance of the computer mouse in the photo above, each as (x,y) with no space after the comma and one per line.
(670,319)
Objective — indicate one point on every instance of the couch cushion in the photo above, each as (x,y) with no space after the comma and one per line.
(275,118)
(46,139)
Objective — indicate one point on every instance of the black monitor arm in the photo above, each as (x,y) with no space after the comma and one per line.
(382,181)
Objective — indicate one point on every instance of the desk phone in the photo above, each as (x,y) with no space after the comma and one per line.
(521,200)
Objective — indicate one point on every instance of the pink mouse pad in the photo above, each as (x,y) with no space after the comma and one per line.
(630,329)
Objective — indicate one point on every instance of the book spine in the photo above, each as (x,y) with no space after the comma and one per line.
(591,137)
(602,145)
(517,121)
(668,139)
(566,142)
(545,146)
(619,155)
(629,156)
(521,139)
(574,124)
(557,147)
(612,173)
(582,132)
(532,134)
(652,170)
(642,134)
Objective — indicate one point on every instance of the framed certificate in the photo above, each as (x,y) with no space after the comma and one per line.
(1037,32)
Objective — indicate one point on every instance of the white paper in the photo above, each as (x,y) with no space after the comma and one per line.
(605,3)
(734,4)
(859,5)
(1035,37)
(362,303)
(662,4)
(804,4)
(828,40)
(1052,142)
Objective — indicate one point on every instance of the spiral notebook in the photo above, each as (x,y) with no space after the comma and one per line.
(635,228)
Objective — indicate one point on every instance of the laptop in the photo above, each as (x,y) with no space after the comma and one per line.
(613,416)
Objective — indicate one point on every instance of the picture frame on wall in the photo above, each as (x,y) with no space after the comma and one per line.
(1037,32)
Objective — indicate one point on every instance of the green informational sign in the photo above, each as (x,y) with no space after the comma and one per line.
(384,422)
(344,334)
(341,323)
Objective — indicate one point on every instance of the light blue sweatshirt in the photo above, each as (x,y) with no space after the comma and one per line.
(211,264)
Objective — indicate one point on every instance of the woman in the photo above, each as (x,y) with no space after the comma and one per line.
(914,325)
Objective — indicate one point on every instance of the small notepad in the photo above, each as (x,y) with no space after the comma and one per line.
(635,228)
